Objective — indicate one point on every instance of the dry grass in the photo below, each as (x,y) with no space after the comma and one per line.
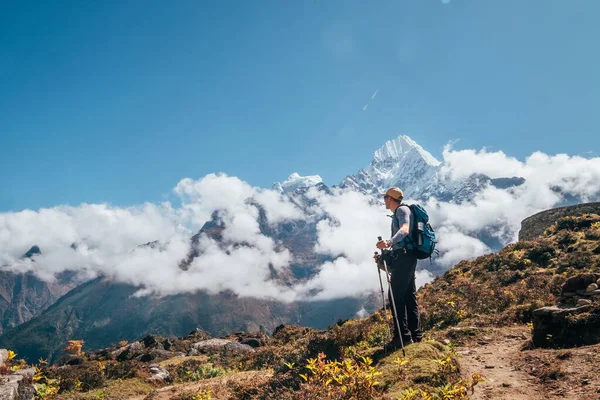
(114,390)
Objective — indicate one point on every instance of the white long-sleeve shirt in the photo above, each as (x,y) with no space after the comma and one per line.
(402,217)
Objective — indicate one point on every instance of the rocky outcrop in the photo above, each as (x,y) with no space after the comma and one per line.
(575,320)
(536,224)
(219,345)
(15,385)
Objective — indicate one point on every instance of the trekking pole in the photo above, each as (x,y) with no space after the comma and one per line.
(383,301)
(388,276)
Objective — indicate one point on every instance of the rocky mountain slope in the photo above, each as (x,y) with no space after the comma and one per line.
(24,296)
(535,225)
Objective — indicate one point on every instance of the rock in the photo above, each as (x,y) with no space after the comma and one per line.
(127,352)
(146,357)
(210,343)
(578,283)
(26,390)
(566,326)
(158,373)
(149,341)
(3,356)
(135,346)
(598,282)
(167,344)
(252,342)
(28,372)
(591,288)
(490,366)
(583,302)
(9,387)
(235,347)
(198,335)
(17,386)
(567,294)
(560,311)
(215,345)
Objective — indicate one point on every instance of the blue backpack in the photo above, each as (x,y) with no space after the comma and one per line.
(421,238)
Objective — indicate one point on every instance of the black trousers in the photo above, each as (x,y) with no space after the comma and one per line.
(405,297)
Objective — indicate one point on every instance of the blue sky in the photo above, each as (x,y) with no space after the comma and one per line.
(117,101)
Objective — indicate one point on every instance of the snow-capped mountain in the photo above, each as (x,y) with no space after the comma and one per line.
(295,181)
(400,162)
(404,163)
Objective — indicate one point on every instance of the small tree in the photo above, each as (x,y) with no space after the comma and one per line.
(74,347)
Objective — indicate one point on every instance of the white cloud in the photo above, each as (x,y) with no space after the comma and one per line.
(462,163)
(107,239)
(499,212)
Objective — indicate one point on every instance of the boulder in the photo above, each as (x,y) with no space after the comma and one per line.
(9,387)
(579,287)
(566,326)
(218,345)
(253,342)
(17,386)
(159,374)
(167,344)
(578,283)
(127,352)
(198,335)
(150,341)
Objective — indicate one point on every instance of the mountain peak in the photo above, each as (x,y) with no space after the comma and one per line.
(399,147)
(296,181)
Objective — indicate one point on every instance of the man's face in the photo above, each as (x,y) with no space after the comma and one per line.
(388,201)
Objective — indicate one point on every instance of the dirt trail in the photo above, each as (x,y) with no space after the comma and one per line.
(515,374)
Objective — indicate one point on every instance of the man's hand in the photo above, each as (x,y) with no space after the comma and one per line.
(383,244)
(376,258)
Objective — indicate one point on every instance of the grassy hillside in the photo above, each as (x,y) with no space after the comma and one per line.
(505,287)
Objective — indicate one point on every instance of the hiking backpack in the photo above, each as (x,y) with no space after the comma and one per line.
(421,238)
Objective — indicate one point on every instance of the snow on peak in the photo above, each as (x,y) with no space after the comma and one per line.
(295,181)
(400,147)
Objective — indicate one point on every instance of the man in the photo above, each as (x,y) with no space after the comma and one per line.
(402,269)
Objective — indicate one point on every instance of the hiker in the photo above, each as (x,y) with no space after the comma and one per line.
(402,270)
